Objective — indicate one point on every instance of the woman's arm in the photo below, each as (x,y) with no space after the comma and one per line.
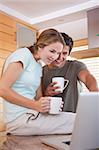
(8,79)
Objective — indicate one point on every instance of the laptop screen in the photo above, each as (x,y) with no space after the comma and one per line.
(85,134)
(86,129)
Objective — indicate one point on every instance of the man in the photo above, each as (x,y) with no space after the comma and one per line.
(74,71)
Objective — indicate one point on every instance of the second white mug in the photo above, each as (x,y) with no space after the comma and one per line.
(61,82)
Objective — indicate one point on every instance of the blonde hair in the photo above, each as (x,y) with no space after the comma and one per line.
(46,38)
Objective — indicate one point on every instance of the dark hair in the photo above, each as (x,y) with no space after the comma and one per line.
(46,38)
(68,41)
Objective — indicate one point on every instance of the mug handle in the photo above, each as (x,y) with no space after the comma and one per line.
(67,81)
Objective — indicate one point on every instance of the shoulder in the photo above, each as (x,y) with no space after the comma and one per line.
(23,55)
(76,63)
(76,66)
(45,68)
(79,63)
(21,52)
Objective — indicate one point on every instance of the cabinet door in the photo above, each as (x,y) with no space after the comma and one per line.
(25,36)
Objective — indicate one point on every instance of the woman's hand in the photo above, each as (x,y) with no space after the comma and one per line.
(42,105)
(50,90)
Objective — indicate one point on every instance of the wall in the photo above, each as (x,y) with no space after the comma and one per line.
(8,44)
(93,28)
(7,37)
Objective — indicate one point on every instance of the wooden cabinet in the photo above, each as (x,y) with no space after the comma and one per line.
(7,37)
(8,44)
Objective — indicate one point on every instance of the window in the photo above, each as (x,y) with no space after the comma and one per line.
(93,67)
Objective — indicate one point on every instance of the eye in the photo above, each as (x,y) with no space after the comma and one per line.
(52,51)
(65,53)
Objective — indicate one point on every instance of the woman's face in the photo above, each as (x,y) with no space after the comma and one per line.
(50,53)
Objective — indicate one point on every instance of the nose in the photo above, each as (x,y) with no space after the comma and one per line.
(59,57)
(55,56)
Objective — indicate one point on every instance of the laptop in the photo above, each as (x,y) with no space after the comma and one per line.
(85,135)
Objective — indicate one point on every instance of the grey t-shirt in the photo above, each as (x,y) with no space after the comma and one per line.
(69,71)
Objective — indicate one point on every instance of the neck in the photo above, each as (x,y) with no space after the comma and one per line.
(51,66)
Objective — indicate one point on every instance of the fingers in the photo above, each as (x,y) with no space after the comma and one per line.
(52,91)
(61,107)
(45,104)
(52,84)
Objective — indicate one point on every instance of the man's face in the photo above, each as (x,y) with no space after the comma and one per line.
(62,58)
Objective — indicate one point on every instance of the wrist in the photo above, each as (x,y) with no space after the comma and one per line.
(34,105)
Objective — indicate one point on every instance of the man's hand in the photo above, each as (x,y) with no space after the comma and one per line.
(50,90)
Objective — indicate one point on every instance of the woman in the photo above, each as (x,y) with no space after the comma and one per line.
(19,83)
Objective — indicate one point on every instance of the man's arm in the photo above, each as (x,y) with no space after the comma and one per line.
(88,79)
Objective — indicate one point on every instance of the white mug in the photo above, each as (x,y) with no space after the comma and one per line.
(55,105)
(61,82)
